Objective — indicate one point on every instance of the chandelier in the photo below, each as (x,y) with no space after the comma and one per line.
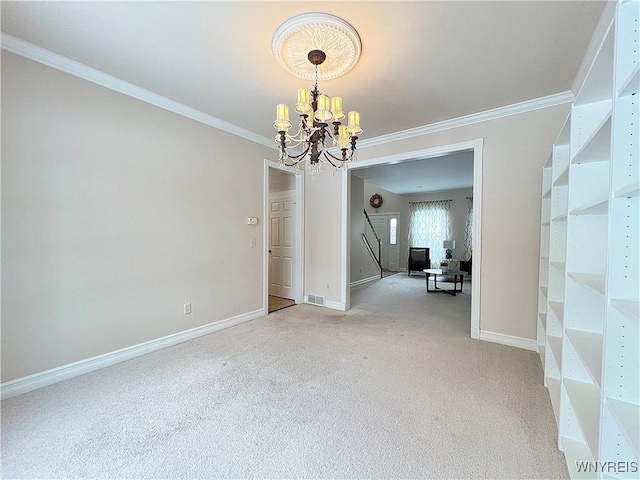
(321,123)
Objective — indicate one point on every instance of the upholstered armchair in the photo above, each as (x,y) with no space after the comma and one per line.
(418,259)
(465,265)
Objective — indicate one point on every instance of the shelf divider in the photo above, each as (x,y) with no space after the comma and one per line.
(631,190)
(563,178)
(543,320)
(629,308)
(630,85)
(558,309)
(597,207)
(589,348)
(554,393)
(576,451)
(585,400)
(598,147)
(627,418)
(590,281)
(556,348)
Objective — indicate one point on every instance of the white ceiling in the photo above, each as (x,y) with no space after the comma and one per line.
(421,62)
(421,176)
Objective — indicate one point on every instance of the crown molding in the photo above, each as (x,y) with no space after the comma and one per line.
(64,64)
(46,57)
(500,112)
(602,28)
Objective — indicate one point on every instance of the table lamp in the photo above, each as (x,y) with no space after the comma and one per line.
(449,245)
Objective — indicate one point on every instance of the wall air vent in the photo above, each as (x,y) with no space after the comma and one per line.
(315,299)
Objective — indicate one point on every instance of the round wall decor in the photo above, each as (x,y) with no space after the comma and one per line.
(376,200)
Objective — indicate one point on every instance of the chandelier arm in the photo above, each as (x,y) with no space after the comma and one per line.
(296,143)
(292,164)
(301,156)
(329,160)
(327,152)
(326,130)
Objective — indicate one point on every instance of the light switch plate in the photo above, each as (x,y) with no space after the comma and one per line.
(252,220)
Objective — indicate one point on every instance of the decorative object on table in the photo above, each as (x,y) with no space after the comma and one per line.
(376,200)
(444,266)
(454,265)
(317,37)
(449,245)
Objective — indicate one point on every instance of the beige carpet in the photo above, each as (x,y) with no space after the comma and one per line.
(395,388)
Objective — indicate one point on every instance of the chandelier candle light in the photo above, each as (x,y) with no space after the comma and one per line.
(316,110)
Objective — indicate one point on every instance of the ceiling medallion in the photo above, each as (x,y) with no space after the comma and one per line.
(299,35)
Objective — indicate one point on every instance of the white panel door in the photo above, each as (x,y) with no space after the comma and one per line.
(393,250)
(281,245)
(381,224)
(389,250)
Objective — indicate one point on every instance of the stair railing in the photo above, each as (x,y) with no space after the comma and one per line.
(378,258)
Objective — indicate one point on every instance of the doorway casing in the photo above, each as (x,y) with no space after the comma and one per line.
(298,234)
(473,145)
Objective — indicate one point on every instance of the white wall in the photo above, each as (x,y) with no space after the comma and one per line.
(280,181)
(391,202)
(515,149)
(323,235)
(114,214)
(362,264)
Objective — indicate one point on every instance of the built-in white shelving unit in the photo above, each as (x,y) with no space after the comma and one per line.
(589,297)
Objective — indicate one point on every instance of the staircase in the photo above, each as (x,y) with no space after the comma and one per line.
(374,256)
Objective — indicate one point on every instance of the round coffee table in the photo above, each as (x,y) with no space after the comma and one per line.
(438,271)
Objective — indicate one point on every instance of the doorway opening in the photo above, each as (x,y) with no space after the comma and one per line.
(283,234)
(472,150)
(385,226)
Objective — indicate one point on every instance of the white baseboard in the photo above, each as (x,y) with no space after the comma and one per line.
(475,333)
(335,305)
(364,280)
(510,340)
(329,304)
(65,372)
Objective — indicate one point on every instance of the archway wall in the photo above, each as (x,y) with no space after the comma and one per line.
(515,149)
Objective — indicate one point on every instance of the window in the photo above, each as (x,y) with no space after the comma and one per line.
(429,226)
(393,230)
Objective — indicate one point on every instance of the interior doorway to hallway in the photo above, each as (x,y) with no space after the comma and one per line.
(471,150)
(283,237)
(386,226)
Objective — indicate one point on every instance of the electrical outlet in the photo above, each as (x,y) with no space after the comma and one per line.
(252,243)
(328,287)
(187,308)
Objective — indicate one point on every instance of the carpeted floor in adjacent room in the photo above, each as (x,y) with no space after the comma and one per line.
(394,388)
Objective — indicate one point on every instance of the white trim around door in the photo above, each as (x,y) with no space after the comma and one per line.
(474,145)
(298,236)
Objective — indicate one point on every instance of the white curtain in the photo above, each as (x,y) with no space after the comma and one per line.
(429,226)
(468,231)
